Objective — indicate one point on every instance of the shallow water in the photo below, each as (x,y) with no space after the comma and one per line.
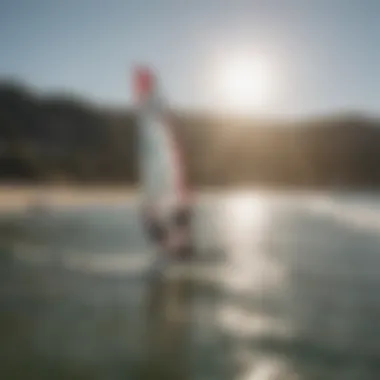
(284,287)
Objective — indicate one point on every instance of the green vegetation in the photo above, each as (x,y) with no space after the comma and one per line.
(66,139)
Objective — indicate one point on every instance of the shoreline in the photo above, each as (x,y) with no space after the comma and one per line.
(23,197)
(18,197)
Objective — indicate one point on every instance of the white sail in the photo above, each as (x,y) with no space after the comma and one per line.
(166,211)
(160,164)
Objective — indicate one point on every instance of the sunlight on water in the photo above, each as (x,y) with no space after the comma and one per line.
(247,212)
(293,296)
(247,223)
(245,324)
(267,369)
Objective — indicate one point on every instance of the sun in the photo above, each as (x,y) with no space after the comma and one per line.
(245,84)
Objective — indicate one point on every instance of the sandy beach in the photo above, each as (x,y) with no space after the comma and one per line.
(18,198)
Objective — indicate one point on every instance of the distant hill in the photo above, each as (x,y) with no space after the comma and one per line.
(59,138)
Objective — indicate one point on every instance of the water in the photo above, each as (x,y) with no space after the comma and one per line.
(285,287)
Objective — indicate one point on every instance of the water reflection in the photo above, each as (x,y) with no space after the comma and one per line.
(295,296)
(251,277)
(168,322)
(249,267)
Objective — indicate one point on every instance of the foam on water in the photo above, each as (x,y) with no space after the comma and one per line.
(353,214)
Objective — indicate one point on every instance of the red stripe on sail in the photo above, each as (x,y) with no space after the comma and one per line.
(144,82)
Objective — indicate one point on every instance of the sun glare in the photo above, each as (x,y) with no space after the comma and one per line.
(245,84)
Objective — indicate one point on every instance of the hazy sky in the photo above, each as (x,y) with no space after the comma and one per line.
(325,54)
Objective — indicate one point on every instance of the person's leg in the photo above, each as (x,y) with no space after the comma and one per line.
(182,225)
(154,229)
(173,241)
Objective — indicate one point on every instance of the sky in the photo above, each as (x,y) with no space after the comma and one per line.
(324,54)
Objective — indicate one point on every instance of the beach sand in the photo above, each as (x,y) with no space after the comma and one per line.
(18,198)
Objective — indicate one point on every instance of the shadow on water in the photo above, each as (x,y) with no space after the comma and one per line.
(65,323)
(94,328)
(167,327)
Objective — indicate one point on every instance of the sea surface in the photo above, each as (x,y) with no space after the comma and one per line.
(284,287)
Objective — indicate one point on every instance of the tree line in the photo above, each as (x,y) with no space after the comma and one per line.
(62,138)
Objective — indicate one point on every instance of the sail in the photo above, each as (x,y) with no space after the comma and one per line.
(161,168)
